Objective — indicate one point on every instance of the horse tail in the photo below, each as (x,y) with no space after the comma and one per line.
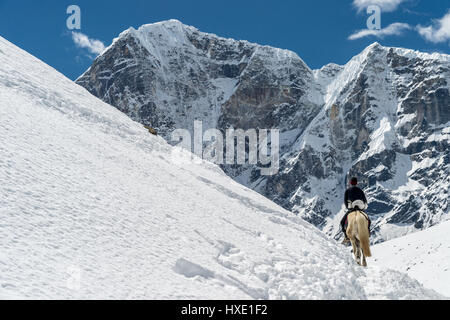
(363,234)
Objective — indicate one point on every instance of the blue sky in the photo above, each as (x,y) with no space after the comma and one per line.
(318,31)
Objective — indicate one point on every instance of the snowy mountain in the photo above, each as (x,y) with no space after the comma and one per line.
(424,255)
(94,207)
(384,117)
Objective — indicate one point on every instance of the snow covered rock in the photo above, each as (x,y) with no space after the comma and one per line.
(92,206)
(384,117)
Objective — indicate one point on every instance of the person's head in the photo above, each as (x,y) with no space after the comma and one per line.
(354,181)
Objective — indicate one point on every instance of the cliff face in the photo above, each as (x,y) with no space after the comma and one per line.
(386,120)
(383,117)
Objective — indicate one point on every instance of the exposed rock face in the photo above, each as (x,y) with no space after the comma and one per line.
(387,122)
(384,117)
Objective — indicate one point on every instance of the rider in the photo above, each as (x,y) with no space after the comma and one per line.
(352,195)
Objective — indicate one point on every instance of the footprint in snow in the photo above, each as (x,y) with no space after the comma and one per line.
(191,270)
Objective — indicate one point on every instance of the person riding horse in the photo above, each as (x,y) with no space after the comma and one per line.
(355,199)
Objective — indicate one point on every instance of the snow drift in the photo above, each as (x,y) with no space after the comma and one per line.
(94,207)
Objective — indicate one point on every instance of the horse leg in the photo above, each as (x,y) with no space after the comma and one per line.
(355,249)
(358,245)
(364,262)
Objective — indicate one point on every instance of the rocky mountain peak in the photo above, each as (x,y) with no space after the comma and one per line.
(383,117)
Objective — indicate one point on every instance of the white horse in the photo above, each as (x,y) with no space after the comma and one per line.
(358,233)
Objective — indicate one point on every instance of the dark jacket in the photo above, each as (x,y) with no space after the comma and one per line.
(353,194)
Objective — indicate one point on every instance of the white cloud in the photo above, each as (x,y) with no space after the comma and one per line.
(439,32)
(394,29)
(83,41)
(385,5)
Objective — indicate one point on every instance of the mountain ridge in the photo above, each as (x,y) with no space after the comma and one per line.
(372,117)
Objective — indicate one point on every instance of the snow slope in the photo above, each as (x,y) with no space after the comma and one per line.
(92,206)
(423,255)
